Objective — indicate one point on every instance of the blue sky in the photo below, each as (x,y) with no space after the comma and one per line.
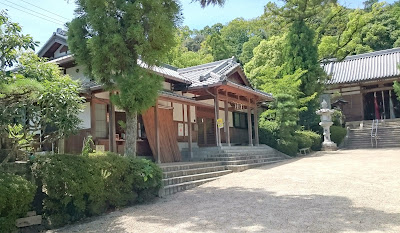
(194,15)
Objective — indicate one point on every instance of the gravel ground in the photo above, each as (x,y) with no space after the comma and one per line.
(344,191)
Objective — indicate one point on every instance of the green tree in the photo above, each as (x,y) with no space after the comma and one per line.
(368,4)
(347,37)
(248,47)
(12,41)
(217,47)
(236,33)
(37,97)
(205,3)
(109,37)
(383,28)
(396,87)
(34,95)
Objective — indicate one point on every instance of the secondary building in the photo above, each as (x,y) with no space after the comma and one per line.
(202,106)
(362,85)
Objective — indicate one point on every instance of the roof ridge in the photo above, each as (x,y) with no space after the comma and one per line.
(372,54)
(192,68)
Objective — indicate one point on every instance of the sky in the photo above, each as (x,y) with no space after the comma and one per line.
(53,14)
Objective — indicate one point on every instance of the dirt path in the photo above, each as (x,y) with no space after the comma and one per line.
(345,191)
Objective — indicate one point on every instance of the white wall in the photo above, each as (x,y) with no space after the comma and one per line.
(77,73)
(103,95)
(85,117)
(167,86)
(57,53)
(180,116)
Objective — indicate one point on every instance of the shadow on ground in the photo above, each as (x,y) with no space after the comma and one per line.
(253,210)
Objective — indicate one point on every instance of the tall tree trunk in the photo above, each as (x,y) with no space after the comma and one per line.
(131,134)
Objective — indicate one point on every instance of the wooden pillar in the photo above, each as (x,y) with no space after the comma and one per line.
(362,106)
(249,126)
(183,120)
(111,127)
(217,131)
(227,133)
(189,118)
(383,103)
(93,119)
(256,138)
(156,123)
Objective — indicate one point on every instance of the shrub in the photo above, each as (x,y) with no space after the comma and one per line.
(79,186)
(268,133)
(337,134)
(308,139)
(16,196)
(289,147)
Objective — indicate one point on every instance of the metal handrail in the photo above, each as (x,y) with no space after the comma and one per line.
(374,135)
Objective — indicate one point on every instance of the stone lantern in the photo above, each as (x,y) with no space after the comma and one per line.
(326,123)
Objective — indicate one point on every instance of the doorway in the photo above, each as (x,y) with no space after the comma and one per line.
(206,132)
(387,105)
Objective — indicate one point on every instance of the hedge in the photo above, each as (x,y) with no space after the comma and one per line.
(337,134)
(308,139)
(16,196)
(76,186)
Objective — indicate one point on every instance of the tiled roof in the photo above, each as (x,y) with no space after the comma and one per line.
(166,72)
(364,67)
(160,70)
(209,73)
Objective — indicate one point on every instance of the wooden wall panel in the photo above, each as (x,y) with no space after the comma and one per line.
(74,143)
(353,110)
(169,150)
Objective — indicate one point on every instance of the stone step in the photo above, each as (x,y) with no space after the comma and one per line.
(193,171)
(241,154)
(243,167)
(251,161)
(233,153)
(188,178)
(368,145)
(171,189)
(187,166)
(239,157)
(379,132)
(391,139)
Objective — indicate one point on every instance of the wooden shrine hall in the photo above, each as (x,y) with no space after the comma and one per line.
(208,105)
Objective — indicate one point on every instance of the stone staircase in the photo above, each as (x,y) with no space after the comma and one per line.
(214,162)
(182,176)
(240,158)
(388,135)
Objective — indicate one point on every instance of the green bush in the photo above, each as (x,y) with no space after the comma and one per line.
(268,133)
(79,186)
(308,139)
(16,196)
(337,134)
(289,147)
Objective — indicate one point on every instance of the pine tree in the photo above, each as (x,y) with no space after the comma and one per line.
(109,36)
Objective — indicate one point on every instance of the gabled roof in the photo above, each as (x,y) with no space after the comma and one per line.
(364,67)
(58,39)
(165,71)
(209,73)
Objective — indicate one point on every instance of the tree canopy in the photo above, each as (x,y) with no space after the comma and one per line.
(109,38)
(34,95)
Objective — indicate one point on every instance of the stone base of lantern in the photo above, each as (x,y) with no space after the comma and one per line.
(329,146)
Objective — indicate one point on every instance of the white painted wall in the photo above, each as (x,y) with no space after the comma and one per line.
(85,117)
(58,54)
(78,73)
(103,95)
(180,116)
(167,86)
